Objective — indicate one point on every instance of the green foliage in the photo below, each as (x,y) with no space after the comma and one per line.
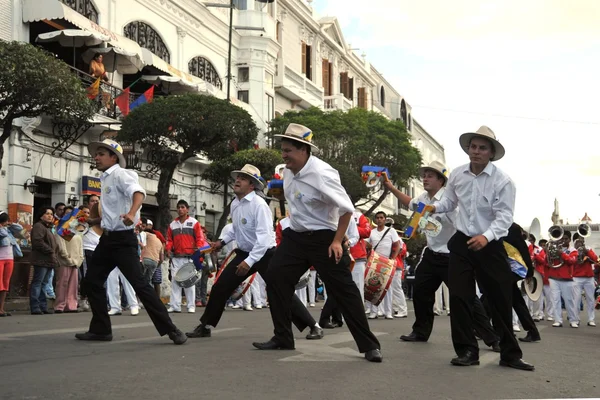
(351,181)
(264,159)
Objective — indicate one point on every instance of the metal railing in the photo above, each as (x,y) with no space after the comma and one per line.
(336,102)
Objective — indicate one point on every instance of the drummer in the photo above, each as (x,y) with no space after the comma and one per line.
(252,229)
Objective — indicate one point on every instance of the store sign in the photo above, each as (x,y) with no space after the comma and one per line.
(91,185)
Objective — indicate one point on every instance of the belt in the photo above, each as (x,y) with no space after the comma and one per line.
(115,233)
(310,233)
(435,253)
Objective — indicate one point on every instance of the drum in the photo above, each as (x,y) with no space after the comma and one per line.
(187,276)
(379,274)
(303,282)
(244,286)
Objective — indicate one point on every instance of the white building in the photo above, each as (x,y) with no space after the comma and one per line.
(291,59)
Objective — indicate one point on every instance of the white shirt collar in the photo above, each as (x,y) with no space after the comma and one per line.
(110,170)
(305,168)
(250,196)
(438,195)
(489,168)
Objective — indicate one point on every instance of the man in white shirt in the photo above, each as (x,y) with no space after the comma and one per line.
(320,211)
(432,269)
(485,196)
(122,198)
(252,229)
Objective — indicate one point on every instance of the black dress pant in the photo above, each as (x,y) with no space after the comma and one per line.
(330,312)
(491,269)
(297,252)
(431,271)
(120,249)
(229,281)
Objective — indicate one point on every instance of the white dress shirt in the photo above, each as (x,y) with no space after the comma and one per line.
(352,233)
(438,244)
(315,196)
(230,245)
(118,188)
(486,201)
(383,244)
(252,227)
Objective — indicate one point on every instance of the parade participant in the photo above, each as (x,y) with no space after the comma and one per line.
(583,276)
(398,298)
(359,251)
(562,258)
(542,266)
(432,269)
(157,276)
(122,198)
(537,307)
(252,230)
(320,212)
(184,237)
(485,196)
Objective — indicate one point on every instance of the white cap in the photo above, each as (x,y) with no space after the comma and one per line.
(150,222)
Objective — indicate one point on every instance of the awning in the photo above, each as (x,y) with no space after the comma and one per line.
(155,61)
(171,84)
(36,10)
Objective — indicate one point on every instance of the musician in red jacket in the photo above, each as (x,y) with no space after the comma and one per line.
(359,251)
(541,265)
(560,274)
(583,276)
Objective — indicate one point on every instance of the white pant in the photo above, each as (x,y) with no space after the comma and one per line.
(358,276)
(548,305)
(301,293)
(312,293)
(515,319)
(537,307)
(190,293)
(446,297)
(438,306)
(262,291)
(586,285)
(385,307)
(114,292)
(255,291)
(398,299)
(564,289)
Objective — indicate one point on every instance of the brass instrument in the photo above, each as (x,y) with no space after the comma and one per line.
(554,248)
(584,230)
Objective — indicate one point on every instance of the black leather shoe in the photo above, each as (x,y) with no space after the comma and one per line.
(339,324)
(315,333)
(58,311)
(517,364)
(531,337)
(374,355)
(177,337)
(495,347)
(37,313)
(327,325)
(271,345)
(48,311)
(199,331)
(93,336)
(466,360)
(413,337)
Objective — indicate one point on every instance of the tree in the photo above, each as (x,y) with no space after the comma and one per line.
(220,170)
(34,82)
(356,138)
(173,129)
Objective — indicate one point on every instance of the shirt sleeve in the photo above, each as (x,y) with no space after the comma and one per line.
(394,235)
(504,207)
(169,245)
(228,235)
(199,236)
(129,183)
(335,193)
(364,230)
(352,233)
(263,234)
(449,201)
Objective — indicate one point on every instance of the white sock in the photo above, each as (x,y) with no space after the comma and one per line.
(317,325)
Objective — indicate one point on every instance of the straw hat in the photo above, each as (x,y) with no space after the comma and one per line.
(437,167)
(110,145)
(486,133)
(300,134)
(252,172)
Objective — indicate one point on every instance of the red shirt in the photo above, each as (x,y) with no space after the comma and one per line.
(541,264)
(359,250)
(585,270)
(564,272)
(183,238)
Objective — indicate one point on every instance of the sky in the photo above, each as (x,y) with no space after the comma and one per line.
(526,69)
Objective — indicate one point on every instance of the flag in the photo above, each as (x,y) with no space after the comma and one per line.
(93,89)
(122,102)
(144,98)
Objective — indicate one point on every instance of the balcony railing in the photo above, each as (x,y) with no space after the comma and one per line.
(336,102)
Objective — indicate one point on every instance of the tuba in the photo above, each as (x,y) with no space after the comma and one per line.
(584,230)
(554,249)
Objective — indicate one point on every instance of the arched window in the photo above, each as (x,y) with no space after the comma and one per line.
(403,113)
(83,7)
(203,69)
(382,96)
(147,37)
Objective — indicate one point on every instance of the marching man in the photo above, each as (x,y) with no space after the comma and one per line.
(583,275)
(560,275)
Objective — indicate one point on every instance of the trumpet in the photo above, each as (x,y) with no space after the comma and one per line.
(584,230)
(554,249)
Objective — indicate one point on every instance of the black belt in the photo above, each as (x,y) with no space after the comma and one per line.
(438,254)
(117,233)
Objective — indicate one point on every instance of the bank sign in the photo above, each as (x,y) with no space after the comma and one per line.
(91,185)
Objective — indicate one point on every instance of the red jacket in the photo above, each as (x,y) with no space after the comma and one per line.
(541,265)
(564,272)
(160,236)
(400,260)
(185,238)
(585,270)
(359,250)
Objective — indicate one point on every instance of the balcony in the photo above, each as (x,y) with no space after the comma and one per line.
(298,88)
(336,102)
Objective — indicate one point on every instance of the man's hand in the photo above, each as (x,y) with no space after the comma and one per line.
(477,243)
(336,250)
(388,184)
(242,269)
(433,209)
(215,245)
(128,219)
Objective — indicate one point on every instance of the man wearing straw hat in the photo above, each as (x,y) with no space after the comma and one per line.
(485,196)
(320,211)
(121,200)
(432,269)
(252,229)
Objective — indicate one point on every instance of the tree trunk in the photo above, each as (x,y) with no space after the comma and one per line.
(163,199)
(226,208)
(6,130)
(282,207)
(377,203)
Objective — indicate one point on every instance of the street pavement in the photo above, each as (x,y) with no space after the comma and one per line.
(41,359)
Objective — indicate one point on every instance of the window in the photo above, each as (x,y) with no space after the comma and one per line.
(83,7)
(270,107)
(362,97)
(278,32)
(347,86)
(240,4)
(203,69)
(148,38)
(243,74)
(269,80)
(306,60)
(243,95)
(382,96)
(403,113)
(327,81)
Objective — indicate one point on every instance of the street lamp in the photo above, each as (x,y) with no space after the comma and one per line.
(73,200)
(32,187)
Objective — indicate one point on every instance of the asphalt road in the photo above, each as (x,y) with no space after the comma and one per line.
(41,359)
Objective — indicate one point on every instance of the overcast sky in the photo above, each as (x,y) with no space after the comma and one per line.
(528,69)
